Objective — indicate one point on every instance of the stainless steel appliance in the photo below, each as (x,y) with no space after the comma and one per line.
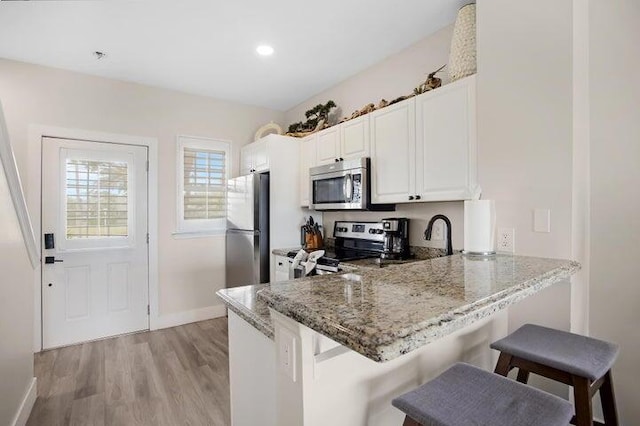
(343,185)
(396,239)
(353,241)
(247,242)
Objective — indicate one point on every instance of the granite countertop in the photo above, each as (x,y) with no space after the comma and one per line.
(384,313)
(245,303)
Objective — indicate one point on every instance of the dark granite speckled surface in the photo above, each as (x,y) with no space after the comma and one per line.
(384,313)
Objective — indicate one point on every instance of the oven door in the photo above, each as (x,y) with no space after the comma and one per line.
(340,190)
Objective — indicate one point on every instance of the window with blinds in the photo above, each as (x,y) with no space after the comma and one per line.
(202,177)
(204,184)
(96,199)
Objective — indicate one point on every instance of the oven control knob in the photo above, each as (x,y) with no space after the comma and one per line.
(379,231)
(372,231)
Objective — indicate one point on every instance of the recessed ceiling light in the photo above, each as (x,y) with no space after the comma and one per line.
(264,50)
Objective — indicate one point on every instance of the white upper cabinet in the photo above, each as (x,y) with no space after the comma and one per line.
(328,146)
(393,152)
(445,143)
(254,157)
(354,138)
(424,148)
(308,153)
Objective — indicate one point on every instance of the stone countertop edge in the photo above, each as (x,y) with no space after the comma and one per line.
(262,324)
(424,332)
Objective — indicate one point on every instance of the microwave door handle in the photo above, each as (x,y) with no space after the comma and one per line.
(348,187)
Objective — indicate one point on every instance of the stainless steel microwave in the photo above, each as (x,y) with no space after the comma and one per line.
(343,185)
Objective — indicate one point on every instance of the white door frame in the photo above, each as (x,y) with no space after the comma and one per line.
(34,202)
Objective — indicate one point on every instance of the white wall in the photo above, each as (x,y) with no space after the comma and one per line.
(615,194)
(16,310)
(525,135)
(395,76)
(190,270)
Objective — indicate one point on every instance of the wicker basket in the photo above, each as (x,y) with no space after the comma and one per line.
(462,58)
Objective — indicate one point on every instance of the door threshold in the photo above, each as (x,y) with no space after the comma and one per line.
(96,340)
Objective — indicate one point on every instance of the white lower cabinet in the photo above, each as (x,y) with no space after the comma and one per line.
(281,266)
(424,148)
(252,375)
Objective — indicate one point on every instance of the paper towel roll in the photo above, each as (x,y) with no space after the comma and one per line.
(479,226)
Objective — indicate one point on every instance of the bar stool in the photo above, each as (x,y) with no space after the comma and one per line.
(579,361)
(465,395)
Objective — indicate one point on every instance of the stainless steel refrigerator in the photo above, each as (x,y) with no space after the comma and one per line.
(247,242)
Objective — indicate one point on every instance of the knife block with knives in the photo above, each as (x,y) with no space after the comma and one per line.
(311,235)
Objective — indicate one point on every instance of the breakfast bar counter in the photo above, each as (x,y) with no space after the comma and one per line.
(336,349)
(384,313)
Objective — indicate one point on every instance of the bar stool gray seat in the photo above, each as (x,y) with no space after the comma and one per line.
(579,361)
(465,395)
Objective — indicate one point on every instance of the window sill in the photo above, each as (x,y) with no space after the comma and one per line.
(185,235)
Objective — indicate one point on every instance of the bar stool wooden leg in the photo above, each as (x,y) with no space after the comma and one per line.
(582,394)
(408,421)
(504,364)
(523,376)
(608,399)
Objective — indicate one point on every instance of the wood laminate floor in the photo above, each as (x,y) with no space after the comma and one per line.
(175,376)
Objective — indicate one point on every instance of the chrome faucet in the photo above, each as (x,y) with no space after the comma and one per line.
(427,232)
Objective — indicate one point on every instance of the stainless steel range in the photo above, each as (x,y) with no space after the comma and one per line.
(353,241)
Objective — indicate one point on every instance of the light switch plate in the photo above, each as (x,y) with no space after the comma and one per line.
(541,220)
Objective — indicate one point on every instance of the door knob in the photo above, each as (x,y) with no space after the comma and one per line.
(52,259)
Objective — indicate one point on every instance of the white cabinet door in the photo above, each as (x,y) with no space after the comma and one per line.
(393,152)
(281,266)
(260,161)
(254,157)
(307,159)
(445,142)
(354,138)
(246,159)
(328,149)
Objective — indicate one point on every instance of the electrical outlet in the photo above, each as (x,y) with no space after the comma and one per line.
(287,353)
(506,240)
(437,232)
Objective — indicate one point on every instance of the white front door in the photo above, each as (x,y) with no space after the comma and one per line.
(95,263)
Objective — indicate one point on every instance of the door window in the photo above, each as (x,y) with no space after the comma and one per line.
(96,199)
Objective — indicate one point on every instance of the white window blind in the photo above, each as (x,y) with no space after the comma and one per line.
(204,184)
(202,178)
(96,199)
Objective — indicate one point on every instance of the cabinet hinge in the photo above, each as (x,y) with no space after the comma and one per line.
(148,310)
(147,165)
(147,238)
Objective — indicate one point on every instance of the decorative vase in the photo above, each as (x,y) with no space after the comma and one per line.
(462,58)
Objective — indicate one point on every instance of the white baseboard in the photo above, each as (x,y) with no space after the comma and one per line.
(186,317)
(22,415)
